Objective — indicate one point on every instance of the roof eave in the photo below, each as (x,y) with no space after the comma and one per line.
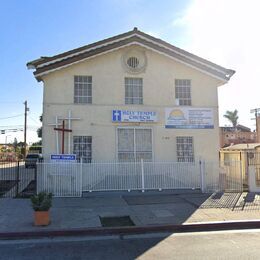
(220,72)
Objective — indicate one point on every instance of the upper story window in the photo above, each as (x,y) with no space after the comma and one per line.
(83,89)
(133,90)
(183,92)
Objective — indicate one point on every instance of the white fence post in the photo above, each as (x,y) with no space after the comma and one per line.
(81,175)
(142,172)
(202,176)
(241,175)
(37,175)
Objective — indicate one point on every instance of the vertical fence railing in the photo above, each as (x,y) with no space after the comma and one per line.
(103,176)
(224,176)
(60,179)
(140,176)
(8,179)
(16,180)
(70,179)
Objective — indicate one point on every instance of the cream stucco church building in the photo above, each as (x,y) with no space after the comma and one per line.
(129,97)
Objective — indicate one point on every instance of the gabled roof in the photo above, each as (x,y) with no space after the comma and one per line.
(45,65)
(242,146)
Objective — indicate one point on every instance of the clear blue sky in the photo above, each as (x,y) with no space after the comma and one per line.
(30,29)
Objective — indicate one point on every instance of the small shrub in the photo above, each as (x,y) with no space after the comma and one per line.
(41,201)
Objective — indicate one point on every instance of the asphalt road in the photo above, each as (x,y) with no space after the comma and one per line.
(205,245)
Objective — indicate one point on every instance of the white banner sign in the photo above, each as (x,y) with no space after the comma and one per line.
(133,116)
(186,117)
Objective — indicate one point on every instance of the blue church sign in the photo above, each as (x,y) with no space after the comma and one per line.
(133,116)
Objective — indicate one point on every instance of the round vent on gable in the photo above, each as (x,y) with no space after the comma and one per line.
(134,60)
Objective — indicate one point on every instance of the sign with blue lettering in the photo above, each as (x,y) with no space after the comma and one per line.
(130,116)
(189,118)
(63,157)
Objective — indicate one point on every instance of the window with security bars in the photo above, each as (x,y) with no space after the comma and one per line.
(133,90)
(82,147)
(134,144)
(185,149)
(183,92)
(82,89)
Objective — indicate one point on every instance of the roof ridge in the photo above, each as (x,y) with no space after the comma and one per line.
(44,59)
(157,43)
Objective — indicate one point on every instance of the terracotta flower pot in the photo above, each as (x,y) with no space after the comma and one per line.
(41,218)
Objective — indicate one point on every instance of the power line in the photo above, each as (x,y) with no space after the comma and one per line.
(34,120)
(2,118)
(14,126)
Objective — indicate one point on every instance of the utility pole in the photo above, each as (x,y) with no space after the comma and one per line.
(256,111)
(26,109)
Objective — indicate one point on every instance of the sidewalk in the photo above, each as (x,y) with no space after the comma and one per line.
(145,209)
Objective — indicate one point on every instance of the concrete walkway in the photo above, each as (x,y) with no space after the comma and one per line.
(16,215)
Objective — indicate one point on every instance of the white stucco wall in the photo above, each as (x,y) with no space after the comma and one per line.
(108,93)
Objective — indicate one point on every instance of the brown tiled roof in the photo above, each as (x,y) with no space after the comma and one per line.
(48,64)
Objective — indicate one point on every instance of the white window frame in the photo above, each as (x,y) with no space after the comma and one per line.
(185,158)
(134,127)
(130,100)
(78,99)
(183,101)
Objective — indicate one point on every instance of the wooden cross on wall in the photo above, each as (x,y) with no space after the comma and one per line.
(63,130)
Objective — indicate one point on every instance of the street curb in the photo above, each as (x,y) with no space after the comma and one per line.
(121,231)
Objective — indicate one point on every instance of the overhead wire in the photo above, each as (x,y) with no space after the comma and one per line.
(2,118)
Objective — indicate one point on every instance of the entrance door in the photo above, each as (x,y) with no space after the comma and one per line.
(134,144)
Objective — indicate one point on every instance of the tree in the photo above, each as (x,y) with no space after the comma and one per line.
(15,143)
(232,116)
(39,130)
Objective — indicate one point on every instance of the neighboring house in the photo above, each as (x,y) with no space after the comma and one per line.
(236,135)
(129,97)
(243,153)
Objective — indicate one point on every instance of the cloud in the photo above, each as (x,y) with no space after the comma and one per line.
(226,33)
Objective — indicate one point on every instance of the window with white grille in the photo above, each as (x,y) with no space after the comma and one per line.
(82,147)
(183,92)
(82,89)
(133,90)
(185,149)
(134,144)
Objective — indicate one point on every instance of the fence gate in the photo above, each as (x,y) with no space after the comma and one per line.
(120,176)
(253,164)
(16,180)
(60,179)
(225,176)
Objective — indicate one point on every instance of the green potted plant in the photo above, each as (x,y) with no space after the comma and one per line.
(41,203)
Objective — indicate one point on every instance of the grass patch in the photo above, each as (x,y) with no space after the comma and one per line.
(124,221)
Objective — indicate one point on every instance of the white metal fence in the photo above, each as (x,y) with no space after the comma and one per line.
(70,179)
(61,179)
(140,176)
(224,176)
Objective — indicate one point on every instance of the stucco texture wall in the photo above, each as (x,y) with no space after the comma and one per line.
(108,93)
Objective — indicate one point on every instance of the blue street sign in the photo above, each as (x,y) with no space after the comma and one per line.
(63,157)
